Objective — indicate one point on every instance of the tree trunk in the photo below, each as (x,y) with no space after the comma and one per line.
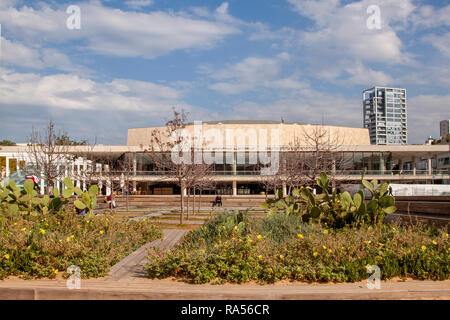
(193,203)
(200,200)
(188,200)
(126,198)
(182,203)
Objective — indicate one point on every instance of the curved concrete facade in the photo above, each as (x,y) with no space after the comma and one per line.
(288,132)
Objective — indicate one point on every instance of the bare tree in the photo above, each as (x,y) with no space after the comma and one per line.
(321,153)
(270,182)
(170,140)
(199,177)
(48,151)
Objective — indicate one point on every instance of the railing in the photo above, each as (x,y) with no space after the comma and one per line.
(338,173)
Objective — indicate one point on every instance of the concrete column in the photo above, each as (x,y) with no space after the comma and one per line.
(382,165)
(100,180)
(400,165)
(108,181)
(134,172)
(414,167)
(333,166)
(429,168)
(84,173)
(66,171)
(234,188)
(234,162)
(42,191)
(58,179)
(78,182)
(7,167)
(184,192)
(284,190)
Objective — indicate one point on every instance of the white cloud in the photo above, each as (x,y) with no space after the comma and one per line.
(340,34)
(428,17)
(442,43)
(252,73)
(116,32)
(138,4)
(424,114)
(61,91)
(17,54)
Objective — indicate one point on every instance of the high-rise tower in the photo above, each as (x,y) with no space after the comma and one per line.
(384,114)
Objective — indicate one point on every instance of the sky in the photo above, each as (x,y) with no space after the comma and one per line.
(130,62)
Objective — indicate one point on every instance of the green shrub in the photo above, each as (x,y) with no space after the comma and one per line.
(280,247)
(336,209)
(37,246)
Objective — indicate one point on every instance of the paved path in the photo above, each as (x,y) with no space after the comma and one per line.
(132,267)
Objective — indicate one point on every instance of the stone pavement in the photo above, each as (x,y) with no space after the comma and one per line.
(176,290)
(132,267)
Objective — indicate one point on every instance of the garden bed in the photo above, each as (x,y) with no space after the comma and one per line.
(235,248)
(44,245)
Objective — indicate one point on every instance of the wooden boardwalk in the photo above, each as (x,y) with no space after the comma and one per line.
(132,267)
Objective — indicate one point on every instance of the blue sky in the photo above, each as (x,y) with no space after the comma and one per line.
(133,60)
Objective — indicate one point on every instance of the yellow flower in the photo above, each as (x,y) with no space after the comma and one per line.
(55,271)
(434,242)
(393,229)
(298,269)
(102,232)
(368,242)
(240,240)
(329,250)
(380,244)
(300,236)
(223,227)
(343,248)
(144,220)
(260,257)
(235,228)
(6,256)
(15,223)
(42,231)
(23,229)
(325,231)
(315,254)
(259,237)
(68,239)
(233,238)
(250,240)
(324,248)
(281,256)
(424,248)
